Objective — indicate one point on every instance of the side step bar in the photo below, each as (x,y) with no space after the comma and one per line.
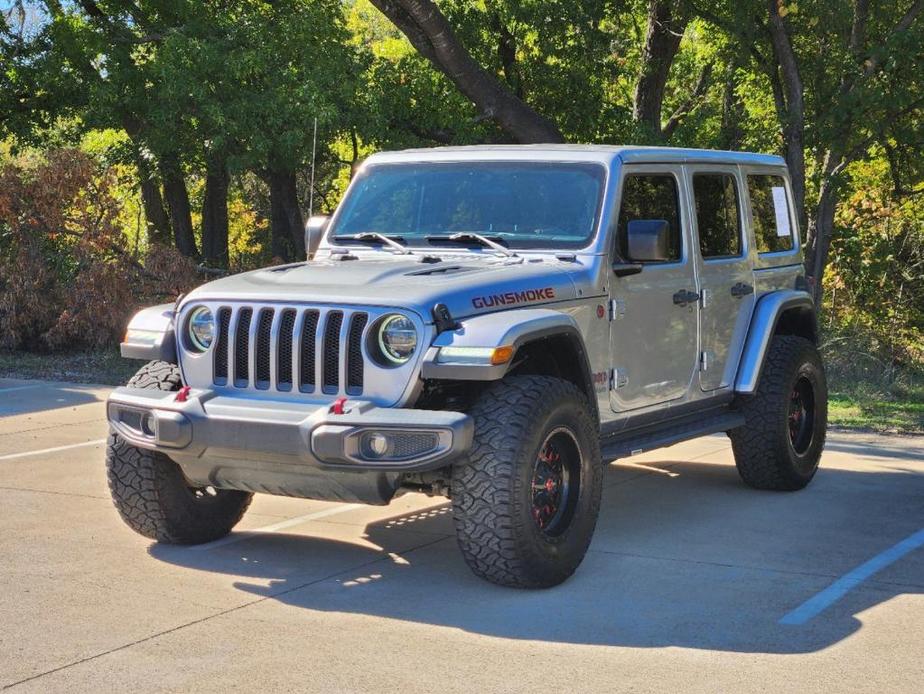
(650,438)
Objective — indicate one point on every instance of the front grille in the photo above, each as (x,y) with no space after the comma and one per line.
(308,349)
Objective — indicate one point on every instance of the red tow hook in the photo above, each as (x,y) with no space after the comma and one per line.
(182,394)
(338,406)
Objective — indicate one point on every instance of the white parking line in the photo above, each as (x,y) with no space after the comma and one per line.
(275,527)
(821,601)
(13,456)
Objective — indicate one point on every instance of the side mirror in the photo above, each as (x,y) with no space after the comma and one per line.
(314,232)
(649,240)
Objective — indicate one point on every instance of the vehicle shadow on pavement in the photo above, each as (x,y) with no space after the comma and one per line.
(17,398)
(691,559)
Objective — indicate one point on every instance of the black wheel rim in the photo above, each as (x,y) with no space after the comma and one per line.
(801,416)
(555,483)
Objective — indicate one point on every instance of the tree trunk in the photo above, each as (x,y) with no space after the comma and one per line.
(157,224)
(662,41)
(731,132)
(286,222)
(822,228)
(178,202)
(215,213)
(431,35)
(793,121)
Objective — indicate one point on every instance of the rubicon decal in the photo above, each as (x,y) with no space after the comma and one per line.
(513,298)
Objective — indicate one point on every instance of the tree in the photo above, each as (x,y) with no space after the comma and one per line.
(430,33)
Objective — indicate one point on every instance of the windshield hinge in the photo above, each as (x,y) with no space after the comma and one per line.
(617,309)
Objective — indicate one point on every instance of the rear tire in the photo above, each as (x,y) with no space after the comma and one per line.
(526,500)
(780,444)
(151,493)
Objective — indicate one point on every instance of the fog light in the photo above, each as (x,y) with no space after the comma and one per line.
(378,444)
(147,424)
(397,445)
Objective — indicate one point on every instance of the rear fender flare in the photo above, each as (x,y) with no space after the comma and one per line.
(770,308)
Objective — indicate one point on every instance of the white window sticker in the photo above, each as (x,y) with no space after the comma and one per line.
(782,211)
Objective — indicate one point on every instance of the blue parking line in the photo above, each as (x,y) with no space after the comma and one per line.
(830,595)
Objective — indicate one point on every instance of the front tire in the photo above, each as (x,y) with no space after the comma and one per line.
(151,493)
(780,444)
(526,500)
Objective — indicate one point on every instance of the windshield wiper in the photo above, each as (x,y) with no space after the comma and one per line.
(468,237)
(376,237)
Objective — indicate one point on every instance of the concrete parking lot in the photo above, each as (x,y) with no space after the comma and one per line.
(693,582)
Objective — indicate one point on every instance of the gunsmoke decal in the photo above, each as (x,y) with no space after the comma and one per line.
(510,298)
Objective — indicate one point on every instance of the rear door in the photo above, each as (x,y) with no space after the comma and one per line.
(725,270)
(653,338)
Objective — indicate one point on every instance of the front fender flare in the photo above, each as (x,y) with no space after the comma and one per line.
(150,335)
(763,326)
(514,328)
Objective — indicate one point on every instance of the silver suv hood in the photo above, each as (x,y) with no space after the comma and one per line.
(466,285)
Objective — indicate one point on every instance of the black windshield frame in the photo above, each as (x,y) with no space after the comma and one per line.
(587,225)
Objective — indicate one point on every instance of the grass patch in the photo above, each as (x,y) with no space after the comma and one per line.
(855,411)
(106,367)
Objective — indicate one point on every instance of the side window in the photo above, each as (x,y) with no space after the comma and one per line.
(770,210)
(649,196)
(717,215)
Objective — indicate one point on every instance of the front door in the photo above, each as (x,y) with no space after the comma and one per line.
(725,274)
(653,334)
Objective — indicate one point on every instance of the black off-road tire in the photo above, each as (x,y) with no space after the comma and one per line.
(151,493)
(493,501)
(767,454)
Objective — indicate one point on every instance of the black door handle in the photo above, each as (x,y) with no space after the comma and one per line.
(684,297)
(741,289)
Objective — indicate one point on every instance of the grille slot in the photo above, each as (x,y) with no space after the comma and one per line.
(221,347)
(355,354)
(284,350)
(287,348)
(331,349)
(309,344)
(242,349)
(264,326)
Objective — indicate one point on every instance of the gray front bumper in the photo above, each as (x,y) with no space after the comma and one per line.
(284,447)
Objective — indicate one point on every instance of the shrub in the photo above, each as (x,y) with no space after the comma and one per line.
(66,278)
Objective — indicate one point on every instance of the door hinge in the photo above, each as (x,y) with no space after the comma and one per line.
(705,297)
(617,309)
(618,378)
(705,360)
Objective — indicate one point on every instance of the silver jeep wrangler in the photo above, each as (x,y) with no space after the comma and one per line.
(491,324)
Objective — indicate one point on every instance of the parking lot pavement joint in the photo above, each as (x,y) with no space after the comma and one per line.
(19,432)
(220,613)
(31,490)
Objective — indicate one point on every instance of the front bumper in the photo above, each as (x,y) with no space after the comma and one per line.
(293,448)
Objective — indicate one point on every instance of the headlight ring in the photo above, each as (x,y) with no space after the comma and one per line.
(396,339)
(201,328)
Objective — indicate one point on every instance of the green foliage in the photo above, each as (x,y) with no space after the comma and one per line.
(144,85)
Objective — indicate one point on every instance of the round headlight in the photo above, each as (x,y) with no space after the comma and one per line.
(397,338)
(201,328)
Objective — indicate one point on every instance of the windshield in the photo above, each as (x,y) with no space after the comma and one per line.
(518,204)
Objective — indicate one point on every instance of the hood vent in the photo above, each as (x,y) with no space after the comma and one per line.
(442,270)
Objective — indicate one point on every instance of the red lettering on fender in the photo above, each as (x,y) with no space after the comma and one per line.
(510,298)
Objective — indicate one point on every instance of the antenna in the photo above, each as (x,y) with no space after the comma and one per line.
(314,147)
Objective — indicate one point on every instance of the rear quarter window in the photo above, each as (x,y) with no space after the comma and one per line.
(770,213)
